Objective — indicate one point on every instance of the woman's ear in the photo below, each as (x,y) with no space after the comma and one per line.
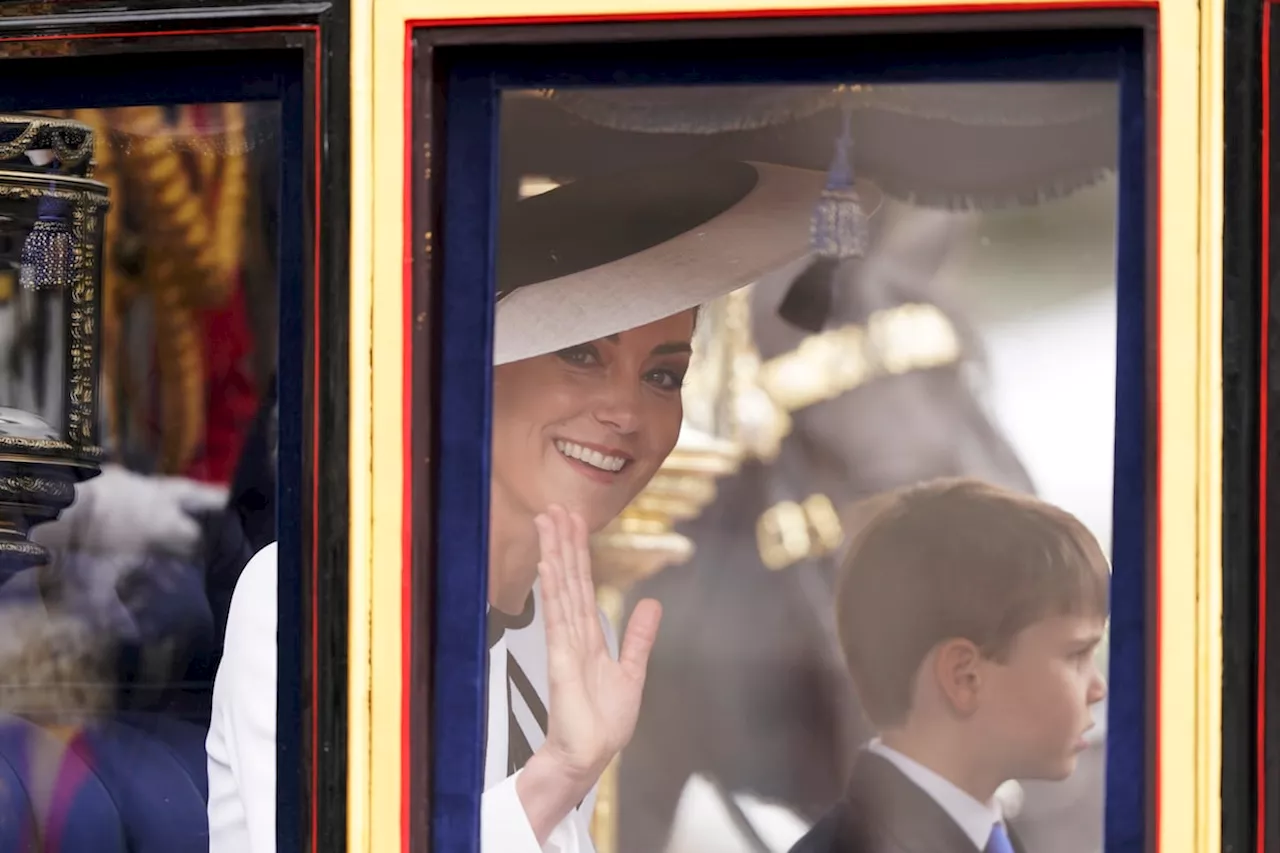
(958,675)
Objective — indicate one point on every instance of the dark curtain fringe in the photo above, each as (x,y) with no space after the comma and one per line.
(1059,189)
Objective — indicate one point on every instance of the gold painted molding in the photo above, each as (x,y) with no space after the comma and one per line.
(1190,440)
(1208,772)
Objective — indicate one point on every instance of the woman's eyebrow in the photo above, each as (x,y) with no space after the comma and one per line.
(678,348)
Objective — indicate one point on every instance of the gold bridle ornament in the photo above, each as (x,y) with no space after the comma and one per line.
(827,365)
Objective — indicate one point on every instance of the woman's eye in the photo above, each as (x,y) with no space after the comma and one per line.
(581,356)
(668,380)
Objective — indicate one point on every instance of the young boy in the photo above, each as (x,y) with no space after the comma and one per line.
(968,616)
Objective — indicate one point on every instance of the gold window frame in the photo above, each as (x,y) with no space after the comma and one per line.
(1187,705)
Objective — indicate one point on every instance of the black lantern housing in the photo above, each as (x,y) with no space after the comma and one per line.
(52,218)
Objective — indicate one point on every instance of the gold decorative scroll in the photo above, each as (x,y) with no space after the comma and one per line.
(832,363)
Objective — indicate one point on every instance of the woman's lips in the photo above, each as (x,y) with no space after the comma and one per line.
(598,463)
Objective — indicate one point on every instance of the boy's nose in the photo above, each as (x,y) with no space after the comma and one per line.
(1097,689)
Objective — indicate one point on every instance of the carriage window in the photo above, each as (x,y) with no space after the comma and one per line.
(138,317)
(817,382)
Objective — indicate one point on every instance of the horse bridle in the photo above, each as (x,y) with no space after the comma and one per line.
(893,341)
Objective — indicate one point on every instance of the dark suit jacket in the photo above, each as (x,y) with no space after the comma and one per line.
(885,812)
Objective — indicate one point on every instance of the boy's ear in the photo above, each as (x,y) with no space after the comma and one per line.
(958,675)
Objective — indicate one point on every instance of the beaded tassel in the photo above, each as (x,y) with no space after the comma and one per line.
(839,231)
(47,252)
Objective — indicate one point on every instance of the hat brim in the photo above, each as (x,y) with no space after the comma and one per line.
(767,229)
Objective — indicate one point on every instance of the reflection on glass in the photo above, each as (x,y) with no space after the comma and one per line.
(950,314)
(33,366)
(150,372)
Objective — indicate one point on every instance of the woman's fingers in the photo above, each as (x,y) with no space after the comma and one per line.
(573,590)
(582,558)
(553,615)
(556,612)
(642,631)
(563,540)
(548,536)
(582,563)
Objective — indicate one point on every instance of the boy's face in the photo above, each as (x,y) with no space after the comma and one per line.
(1035,702)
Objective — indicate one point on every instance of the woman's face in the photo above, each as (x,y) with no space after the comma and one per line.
(587,427)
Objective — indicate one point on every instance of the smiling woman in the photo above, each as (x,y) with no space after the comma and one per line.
(599,283)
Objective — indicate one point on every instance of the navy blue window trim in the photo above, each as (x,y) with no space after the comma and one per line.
(293,700)
(188,77)
(887,59)
(1130,735)
(465,356)
(474,77)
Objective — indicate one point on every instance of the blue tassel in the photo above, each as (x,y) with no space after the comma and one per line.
(840,231)
(47,254)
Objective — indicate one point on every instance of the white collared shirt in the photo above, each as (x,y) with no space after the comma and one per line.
(504,827)
(974,818)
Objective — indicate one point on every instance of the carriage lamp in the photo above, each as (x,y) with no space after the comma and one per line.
(52,217)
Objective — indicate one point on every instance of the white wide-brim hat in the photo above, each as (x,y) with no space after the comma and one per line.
(603,255)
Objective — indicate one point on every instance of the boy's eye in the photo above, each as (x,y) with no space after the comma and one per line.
(1082,656)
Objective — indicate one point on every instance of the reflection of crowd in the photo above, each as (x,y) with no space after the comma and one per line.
(108,652)
(107,657)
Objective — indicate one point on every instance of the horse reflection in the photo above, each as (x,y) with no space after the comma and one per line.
(747,687)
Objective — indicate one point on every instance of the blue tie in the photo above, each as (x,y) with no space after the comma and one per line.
(998,841)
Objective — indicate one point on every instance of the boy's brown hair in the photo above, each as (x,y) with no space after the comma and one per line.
(956,559)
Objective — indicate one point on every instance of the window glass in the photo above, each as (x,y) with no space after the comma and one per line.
(884,288)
